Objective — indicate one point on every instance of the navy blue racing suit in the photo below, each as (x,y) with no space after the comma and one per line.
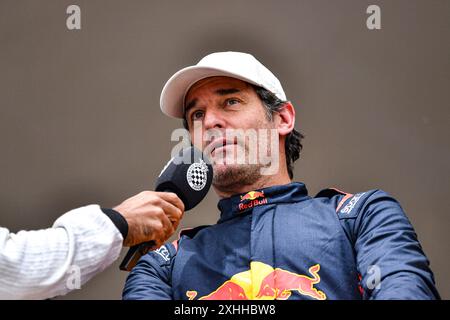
(280,243)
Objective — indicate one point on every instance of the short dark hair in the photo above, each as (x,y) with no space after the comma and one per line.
(293,143)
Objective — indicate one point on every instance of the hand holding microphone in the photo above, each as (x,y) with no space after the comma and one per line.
(155,215)
(151,215)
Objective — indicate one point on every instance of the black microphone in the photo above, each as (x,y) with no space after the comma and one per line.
(189,176)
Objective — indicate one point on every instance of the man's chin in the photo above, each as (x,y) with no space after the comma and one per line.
(226,175)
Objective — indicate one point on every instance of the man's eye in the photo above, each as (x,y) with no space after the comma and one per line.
(232,101)
(197,115)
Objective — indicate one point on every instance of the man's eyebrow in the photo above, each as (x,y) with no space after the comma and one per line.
(220,92)
(224,92)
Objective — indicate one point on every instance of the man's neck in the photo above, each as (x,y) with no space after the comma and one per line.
(263,182)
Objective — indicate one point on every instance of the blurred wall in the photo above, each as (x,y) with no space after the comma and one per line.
(80,120)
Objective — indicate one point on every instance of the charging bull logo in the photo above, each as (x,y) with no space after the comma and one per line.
(262,282)
(252,195)
(252,199)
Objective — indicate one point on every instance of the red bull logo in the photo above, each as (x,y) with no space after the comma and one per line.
(262,282)
(228,291)
(252,195)
(288,281)
(252,199)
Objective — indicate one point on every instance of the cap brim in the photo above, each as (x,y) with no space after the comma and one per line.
(175,89)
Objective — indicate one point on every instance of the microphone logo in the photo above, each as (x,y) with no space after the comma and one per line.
(197,175)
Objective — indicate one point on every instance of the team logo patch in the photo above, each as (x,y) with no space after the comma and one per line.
(263,282)
(252,199)
(197,175)
(349,207)
(252,195)
(163,252)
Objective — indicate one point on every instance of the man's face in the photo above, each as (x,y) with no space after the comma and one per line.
(218,106)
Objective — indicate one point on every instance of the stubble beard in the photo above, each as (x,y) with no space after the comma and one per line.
(232,176)
(229,177)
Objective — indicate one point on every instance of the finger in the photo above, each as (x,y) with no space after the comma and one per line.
(165,230)
(172,198)
(172,212)
(172,206)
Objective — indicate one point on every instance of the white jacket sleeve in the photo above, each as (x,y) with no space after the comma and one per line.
(46,263)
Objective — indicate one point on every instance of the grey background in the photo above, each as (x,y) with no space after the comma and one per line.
(80,120)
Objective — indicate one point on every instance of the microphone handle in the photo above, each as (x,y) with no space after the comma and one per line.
(134,254)
(137,251)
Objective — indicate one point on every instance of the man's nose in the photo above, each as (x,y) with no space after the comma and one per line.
(213,119)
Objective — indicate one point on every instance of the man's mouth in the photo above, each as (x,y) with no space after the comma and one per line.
(217,145)
(221,149)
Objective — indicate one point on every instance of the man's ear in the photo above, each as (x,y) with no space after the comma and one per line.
(286,121)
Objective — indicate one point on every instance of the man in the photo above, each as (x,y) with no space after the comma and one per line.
(83,242)
(272,240)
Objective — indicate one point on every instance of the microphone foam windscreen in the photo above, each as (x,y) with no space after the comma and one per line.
(189,175)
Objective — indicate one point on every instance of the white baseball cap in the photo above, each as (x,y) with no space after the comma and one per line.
(242,66)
